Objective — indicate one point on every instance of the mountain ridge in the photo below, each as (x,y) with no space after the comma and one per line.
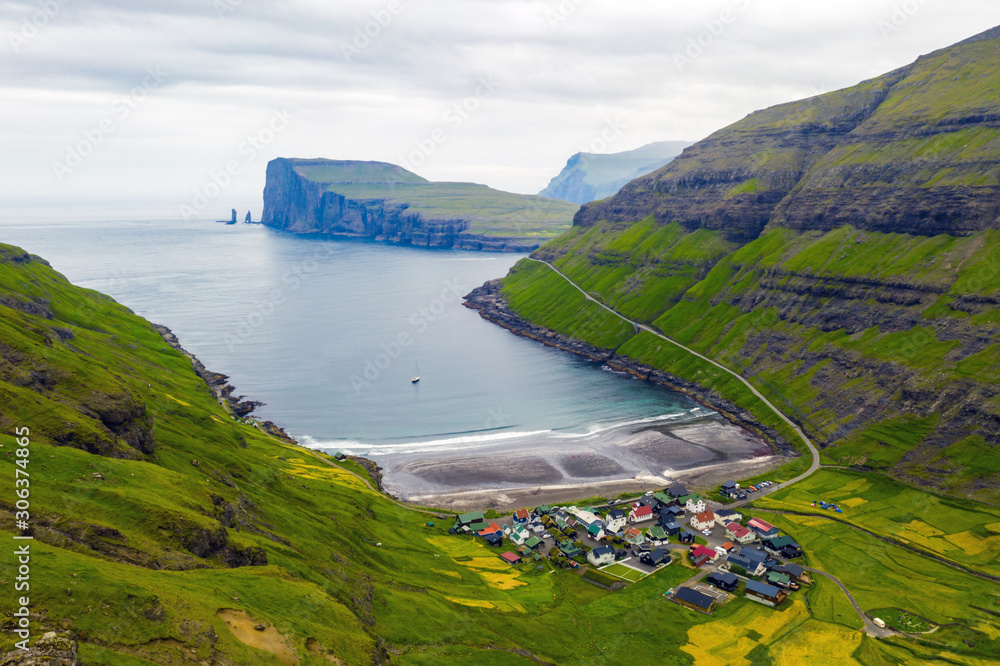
(840,251)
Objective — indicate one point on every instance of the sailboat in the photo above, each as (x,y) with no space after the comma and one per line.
(416,377)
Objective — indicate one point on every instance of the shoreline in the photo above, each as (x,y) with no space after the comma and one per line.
(491,305)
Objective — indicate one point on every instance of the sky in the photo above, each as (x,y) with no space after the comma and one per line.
(172,109)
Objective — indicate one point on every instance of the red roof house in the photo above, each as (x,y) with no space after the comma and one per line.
(511,558)
(521,516)
(640,514)
(491,529)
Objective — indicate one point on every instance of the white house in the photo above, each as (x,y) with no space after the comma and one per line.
(518,534)
(723,516)
(695,504)
(601,555)
(640,513)
(615,521)
(703,521)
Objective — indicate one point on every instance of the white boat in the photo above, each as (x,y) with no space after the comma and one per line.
(416,377)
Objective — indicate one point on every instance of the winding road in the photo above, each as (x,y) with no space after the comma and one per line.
(870,627)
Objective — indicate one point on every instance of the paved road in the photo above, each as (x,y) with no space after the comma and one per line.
(798,431)
(870,627)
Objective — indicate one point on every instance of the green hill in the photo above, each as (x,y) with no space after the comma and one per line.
(841,252)
(385,202)
(166,531)
(591,176)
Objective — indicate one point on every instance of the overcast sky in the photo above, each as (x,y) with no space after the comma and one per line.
(116,108)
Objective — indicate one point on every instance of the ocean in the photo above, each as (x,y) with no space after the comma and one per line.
(328,333)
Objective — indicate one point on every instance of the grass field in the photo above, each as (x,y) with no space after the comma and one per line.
(960,530)
(624,572)
(881,575)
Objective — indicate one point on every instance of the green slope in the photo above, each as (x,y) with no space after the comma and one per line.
(840,252)
(153,512)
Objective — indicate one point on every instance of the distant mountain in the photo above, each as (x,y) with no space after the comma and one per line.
(590,176)
(386,202)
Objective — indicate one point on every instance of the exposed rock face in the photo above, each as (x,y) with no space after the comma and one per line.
(52,649)
(590,176)
(913,151)
(344,198)
(841,252)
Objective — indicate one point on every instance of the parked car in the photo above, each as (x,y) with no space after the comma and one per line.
(751,489)
(546,536)
(649,493)
(707,532)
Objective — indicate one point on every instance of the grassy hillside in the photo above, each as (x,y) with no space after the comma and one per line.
(170,545)
(840,252)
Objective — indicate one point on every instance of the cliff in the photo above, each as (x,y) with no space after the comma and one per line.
(841,252)
(591,176)
(385,202)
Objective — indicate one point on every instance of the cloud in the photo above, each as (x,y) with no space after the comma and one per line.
(369,79)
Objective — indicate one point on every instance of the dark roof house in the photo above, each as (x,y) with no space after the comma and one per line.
(693,599)
(724,581)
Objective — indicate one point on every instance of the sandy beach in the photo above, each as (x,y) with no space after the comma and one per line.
(700,452)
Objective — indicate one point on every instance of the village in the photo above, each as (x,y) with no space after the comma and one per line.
(624,541)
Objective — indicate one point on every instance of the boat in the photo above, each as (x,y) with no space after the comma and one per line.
(416,377)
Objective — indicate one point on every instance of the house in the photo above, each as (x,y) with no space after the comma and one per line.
(703,521)
(783,546)
(585,517)
(492,529)
(729,488)
(596,531)
(698,552)
(723,581)
(751,566)
(657,536)
(339,455)
(777,579)
(765,594)
(543,510)
(615,521)
(568,549)
(522,516)
(634,536)
(601,555)
(468,519)
(694,504)
(511,558)
(663,499)
(518,534)
(656,558)
(686,537)
(793,571)
(671,528)
(727,546)
(739,534)
(494,538)
(620,553)
(533,542)
(640,514)
(693,599)
(723,516)
(762,528)
(677,490)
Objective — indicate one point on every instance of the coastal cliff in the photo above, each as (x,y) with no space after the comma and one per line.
(384,202)
(840,252)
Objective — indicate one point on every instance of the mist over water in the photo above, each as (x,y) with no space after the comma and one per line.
(329,333)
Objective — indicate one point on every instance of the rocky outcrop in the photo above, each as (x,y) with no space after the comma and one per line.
(382,202)
(52,649)
(913,151)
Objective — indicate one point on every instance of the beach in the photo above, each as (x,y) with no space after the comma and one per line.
(701,451)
